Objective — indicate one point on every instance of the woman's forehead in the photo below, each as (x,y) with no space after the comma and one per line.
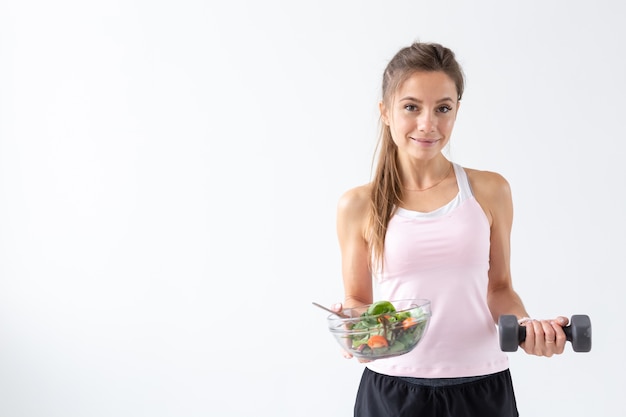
(432,83)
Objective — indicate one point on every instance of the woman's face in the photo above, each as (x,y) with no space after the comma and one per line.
(421,114)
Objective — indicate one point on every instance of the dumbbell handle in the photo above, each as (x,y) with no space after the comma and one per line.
(521,333)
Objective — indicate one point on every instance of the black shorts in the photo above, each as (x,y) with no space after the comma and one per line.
(388,396)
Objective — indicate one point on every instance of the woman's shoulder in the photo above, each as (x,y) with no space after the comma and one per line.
(486,179)
(356,200)
(488,184)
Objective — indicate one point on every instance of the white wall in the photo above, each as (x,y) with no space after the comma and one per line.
(169,172)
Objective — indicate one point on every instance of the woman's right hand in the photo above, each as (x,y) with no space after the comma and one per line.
(338,308)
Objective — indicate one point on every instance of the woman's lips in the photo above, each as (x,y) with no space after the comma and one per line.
(425,140)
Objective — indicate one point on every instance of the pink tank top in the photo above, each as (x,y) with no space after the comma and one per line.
(443,256)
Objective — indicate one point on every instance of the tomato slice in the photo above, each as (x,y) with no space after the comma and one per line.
(408,322)
(377,341)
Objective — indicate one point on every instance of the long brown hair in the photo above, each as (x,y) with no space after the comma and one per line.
(386,184)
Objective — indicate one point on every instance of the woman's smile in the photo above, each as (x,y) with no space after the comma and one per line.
(425,141)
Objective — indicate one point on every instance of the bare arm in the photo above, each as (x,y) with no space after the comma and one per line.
(494,194)
(543,337)
(352,215)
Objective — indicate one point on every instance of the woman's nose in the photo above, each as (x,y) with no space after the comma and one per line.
(426,122)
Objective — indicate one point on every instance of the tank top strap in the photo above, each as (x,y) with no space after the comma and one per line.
(465,189)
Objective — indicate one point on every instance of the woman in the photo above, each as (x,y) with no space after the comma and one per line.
(425,227)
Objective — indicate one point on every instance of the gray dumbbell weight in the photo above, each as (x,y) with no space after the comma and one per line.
(578,332)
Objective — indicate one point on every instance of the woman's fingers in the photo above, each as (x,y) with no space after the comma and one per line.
(560,338)
(337,308)
(545,337)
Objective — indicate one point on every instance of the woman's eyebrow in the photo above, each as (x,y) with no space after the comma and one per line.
(409,98)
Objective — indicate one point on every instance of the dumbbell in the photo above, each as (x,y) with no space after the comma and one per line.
(512,334)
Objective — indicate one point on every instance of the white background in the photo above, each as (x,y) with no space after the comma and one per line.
(169,172)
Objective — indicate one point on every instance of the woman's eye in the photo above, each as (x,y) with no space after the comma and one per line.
(445,109)
(410,107)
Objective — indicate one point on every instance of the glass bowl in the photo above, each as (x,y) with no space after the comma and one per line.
(383,329)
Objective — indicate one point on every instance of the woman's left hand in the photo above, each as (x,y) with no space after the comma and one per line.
(545,337)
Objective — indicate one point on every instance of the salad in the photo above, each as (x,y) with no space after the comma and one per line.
(382,331)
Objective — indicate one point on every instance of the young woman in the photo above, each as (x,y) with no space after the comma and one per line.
(425,227)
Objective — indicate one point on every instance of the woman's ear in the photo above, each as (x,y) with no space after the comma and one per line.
(383,113)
